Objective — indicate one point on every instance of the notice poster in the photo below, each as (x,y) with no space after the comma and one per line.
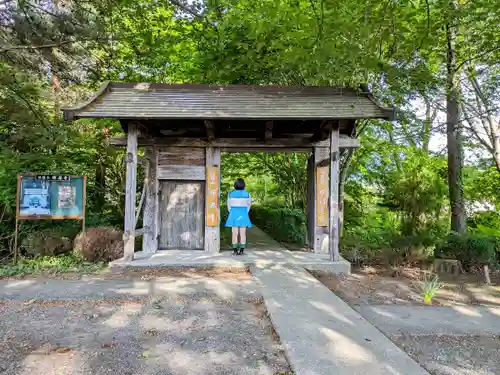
(322,192)
(212,205)
(66,196)
(35,198)
(50,197)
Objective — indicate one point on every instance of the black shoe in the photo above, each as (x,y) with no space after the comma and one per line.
(240,252)
(235,252)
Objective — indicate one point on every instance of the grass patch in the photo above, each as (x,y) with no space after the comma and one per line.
(49,265)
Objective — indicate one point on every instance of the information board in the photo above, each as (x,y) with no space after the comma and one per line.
(212,205)
(51,197)
(322,192)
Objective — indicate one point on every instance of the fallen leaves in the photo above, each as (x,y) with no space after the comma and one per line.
(63,350)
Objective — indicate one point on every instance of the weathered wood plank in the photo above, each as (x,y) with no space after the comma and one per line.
(269,130)
(333,243)
(212,234)
(229,143)
(181,172)
(209,126)
(130,192)
(182,212)
(181,156)
(320,233)
(149,243)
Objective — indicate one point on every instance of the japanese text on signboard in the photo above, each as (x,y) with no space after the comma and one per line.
(212,205)
(322,193)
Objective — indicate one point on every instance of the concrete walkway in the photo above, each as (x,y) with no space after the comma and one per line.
(433,320)
(257,240)
(321,334)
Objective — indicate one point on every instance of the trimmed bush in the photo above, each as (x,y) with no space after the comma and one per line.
(102,244)
(471,249)
(282,224)
(49,243)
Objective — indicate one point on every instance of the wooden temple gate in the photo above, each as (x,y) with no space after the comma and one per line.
(184,129)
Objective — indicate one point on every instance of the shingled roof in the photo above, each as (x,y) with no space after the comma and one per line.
(186,101)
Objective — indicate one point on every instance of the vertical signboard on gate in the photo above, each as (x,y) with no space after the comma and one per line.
(212,200)
(322,193)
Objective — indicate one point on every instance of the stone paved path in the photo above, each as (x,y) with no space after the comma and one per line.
(433,320)
(321,334)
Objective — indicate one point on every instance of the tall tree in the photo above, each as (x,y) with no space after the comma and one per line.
(453,127)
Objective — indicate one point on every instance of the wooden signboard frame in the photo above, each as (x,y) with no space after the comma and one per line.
(56,177)
(212,199)
(322,193)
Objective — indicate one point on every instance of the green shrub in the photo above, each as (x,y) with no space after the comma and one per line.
(471,249)
(283,224)
(490,219)
(48,242)
(48,264)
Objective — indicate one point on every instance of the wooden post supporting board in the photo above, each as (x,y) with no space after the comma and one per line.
(333,243)
(130,192)
(212,199)
(321,161)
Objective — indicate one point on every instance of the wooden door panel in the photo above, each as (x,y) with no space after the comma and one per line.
(182,219)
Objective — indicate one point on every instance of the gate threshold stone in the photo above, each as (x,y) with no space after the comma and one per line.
(321,334)
(259,258)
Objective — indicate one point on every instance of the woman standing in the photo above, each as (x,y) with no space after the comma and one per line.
(238,204)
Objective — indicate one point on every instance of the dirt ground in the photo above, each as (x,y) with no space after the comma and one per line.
(438,354)
(139,337)
(452,355)
(146,273)
(386,286)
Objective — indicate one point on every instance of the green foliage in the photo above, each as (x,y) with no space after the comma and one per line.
(49,265)
(430,286)
(485,219)
(283,224)
(471,249)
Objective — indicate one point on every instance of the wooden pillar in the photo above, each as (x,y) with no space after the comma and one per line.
(311,199)
(130,193)
(333,242)
(149,240)
(212,233)
(320,239)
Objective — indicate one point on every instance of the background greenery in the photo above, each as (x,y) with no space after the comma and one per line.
(430,59)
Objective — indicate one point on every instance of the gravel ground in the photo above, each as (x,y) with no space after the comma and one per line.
(454,355)
(195,335)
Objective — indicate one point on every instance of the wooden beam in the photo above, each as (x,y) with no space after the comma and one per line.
(238,143)
(324,130)
(333,243)
(268,134)
(210,127)
(130,191)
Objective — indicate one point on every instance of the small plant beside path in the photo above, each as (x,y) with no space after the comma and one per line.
(49,265)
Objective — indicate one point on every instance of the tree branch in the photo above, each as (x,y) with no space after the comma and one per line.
(11,48)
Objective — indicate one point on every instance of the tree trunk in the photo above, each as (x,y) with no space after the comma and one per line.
(453,128)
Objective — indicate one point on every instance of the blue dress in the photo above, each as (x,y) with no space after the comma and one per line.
(238,204)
